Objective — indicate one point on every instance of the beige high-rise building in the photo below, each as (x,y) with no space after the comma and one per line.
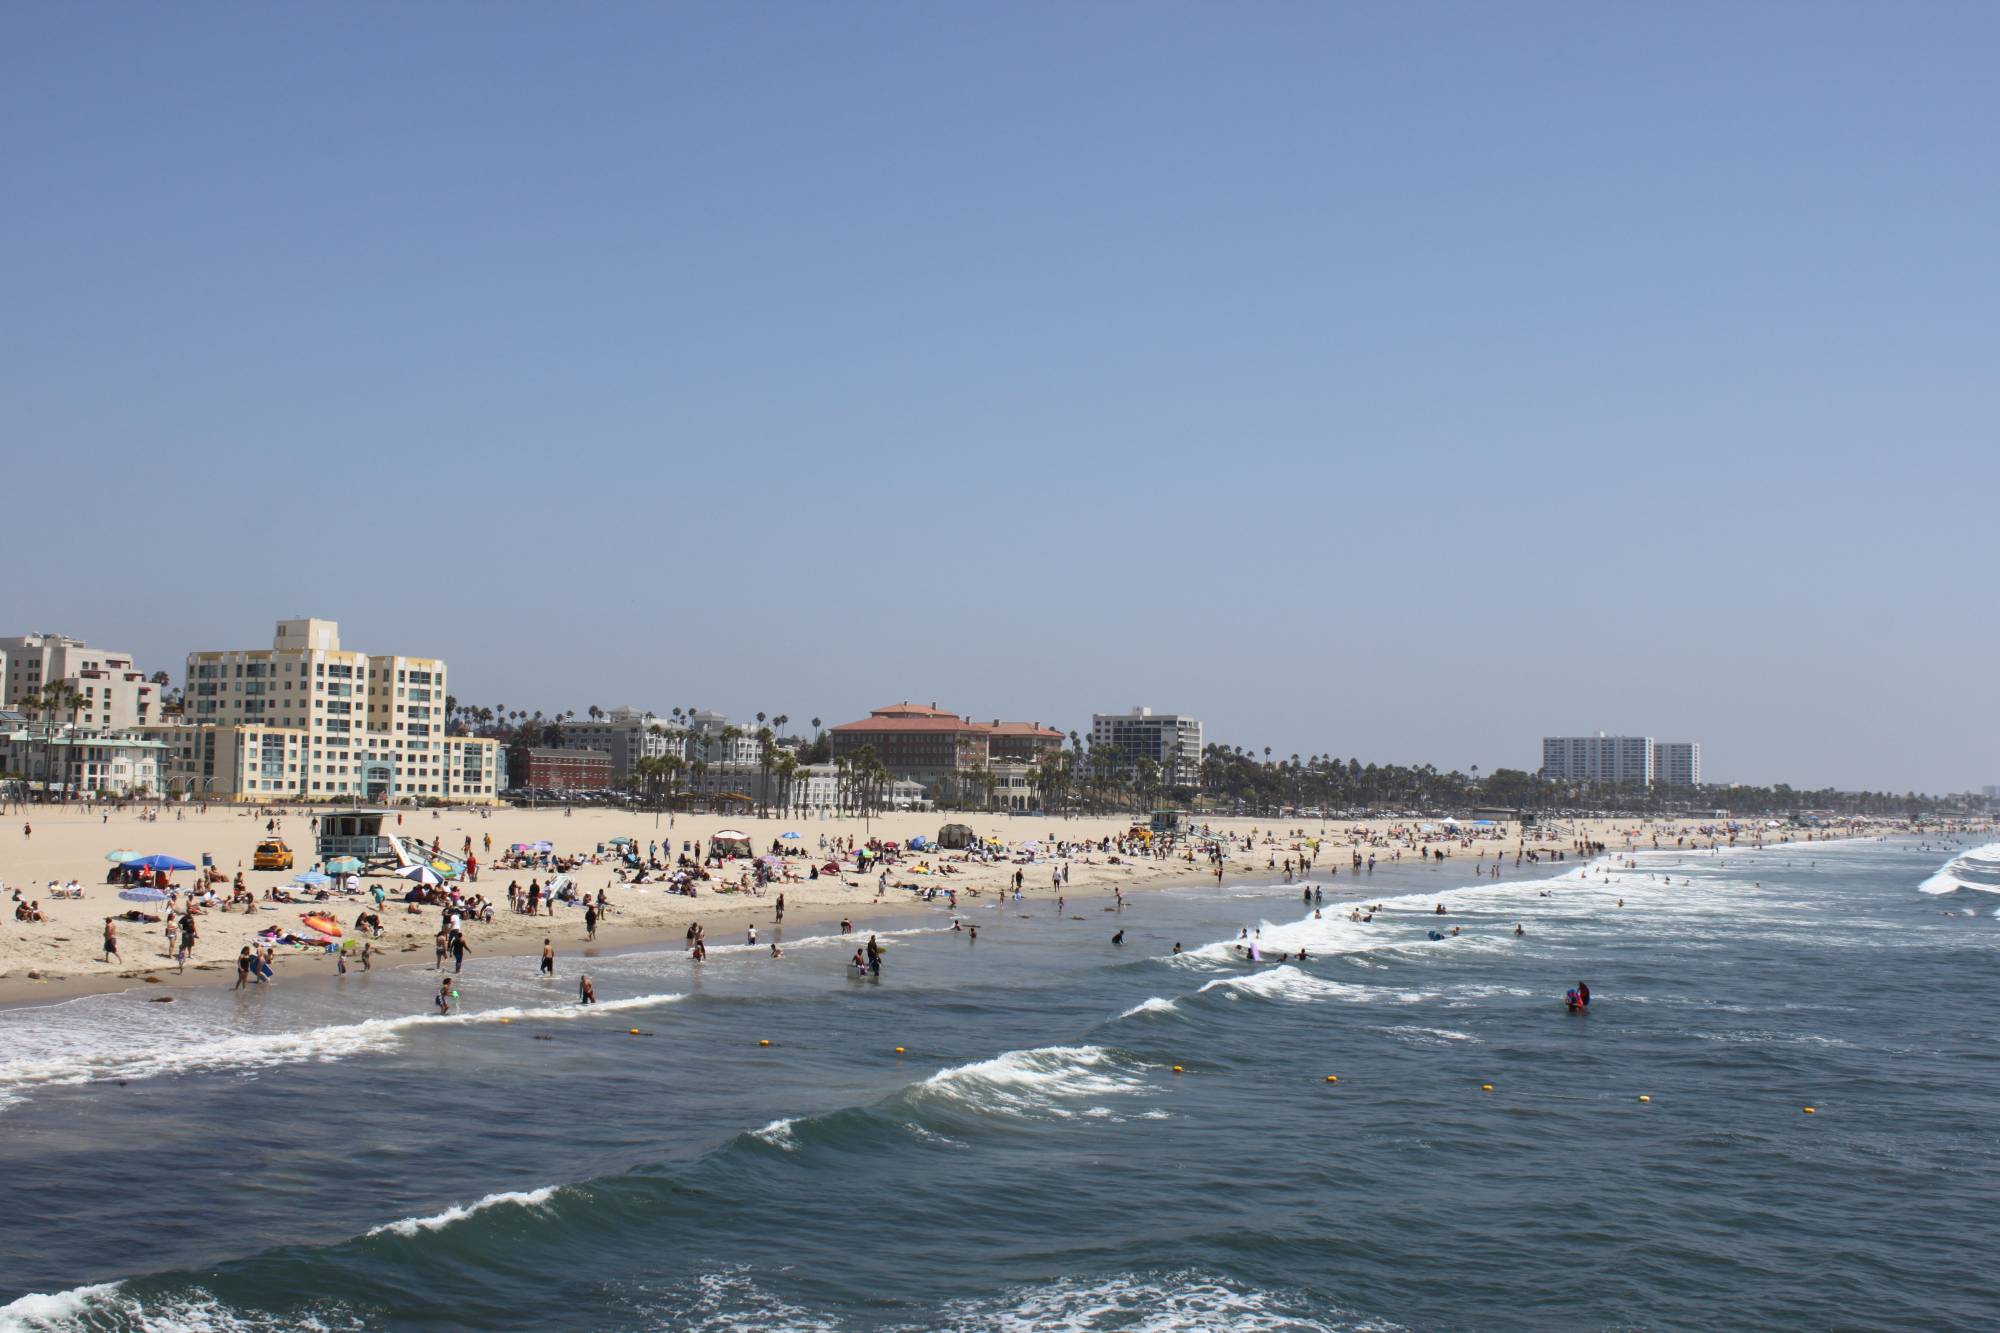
(113,694)
(308,720)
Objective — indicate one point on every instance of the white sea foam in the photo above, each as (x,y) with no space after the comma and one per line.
(1155,1005)
(1036,1084)
(1168,1303)
(778,1134)
(1417,1036)
(59,1309)
(126,1042)
(1978,869)
(106,1305)
(1286,982)
(410,1226)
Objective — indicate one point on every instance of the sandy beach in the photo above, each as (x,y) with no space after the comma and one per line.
(62,954)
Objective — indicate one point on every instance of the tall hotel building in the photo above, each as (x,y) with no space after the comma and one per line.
(308,720)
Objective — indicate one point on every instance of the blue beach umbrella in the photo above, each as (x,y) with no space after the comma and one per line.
(421,875)
(789,835)
(121,857)
(142,895)
(159,861)
(345,865)
(312,877)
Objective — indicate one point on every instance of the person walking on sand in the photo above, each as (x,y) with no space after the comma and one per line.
(242,969)
(187,938)
(458,951)
(111,940)
(548,957)
(590,922)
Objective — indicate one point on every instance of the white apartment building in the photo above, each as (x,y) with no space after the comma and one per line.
(706,743)
(306,719)
(816,789)
(51,758)
(1677,763)
(1637,759)
(626,734)
(115,694)
(1598,758)
(1171,740)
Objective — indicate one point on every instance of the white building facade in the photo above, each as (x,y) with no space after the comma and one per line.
(112,693)
(1628,759)
(626,734)
(1171,740)
(60,762)
(308,720)
(1598,758)
(1677,763)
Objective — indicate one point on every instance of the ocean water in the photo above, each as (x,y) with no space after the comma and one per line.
(331,1157)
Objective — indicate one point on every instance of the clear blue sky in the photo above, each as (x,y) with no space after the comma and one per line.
(1397,381)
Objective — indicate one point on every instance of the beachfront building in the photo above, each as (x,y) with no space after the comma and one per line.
(68,763)
(710,742)
(956,760)
(1598,758)
(628,735)
(110,694)
(1171,740)
(547,769)
(308,720)
(1639,760)
(1677,764)
(817,789)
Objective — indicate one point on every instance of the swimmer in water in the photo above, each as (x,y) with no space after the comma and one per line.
(1518,932)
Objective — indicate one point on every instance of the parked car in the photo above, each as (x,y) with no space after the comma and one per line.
(272,854)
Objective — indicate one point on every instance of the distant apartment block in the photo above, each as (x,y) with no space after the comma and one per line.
(110,692)
(628,735)
(1630,759)
(1677,763)
(1171,740)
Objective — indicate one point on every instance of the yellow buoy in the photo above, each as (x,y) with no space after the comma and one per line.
(899,1050)
(635,1032)
(1644,1098)
(1333,1078)
(1486,1087)
(765,1042)
(1811,1111)
(506,1020)
(1177,1069)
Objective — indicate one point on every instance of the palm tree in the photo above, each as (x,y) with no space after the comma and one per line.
(765,746)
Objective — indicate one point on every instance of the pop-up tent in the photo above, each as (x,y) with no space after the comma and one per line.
(729,842)
(955,836)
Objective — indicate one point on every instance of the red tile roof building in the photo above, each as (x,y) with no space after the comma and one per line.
(943,750)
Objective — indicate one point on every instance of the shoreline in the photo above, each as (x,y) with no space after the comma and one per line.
(646,917)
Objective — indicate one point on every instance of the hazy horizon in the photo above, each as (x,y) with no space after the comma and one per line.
(1397,384)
